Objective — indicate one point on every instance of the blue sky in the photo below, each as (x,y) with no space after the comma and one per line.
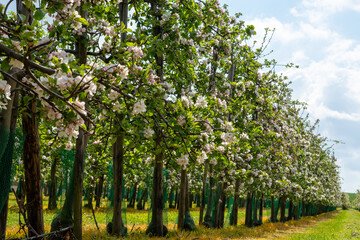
(323,38)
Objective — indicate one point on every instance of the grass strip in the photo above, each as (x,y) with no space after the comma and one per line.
(344,225)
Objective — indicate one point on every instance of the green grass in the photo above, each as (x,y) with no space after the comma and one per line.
(344,225)
(136,220)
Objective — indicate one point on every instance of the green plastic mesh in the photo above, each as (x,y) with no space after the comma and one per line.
(165,200)
(216,198)
(5,170)
(229,214)
(171,198)
(11,155)
(67,159)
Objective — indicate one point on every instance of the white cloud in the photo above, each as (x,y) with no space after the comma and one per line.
(299,56)
(317,11)
(328,79)
(351,180)
(316,32)
(338,64)
(284,33)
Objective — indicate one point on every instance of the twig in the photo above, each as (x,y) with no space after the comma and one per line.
(50,233)
(21,210)
(132,228)
(93,212)
(54,94)
(16,80)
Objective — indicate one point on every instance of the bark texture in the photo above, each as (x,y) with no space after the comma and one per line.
(31,158)
(118,228)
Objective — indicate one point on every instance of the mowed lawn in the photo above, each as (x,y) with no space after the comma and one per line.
(345,225)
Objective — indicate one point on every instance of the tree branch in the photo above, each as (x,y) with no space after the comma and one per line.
(11,53)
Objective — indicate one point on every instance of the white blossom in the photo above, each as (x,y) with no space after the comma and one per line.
(181,121)
(15,63)
(183,160)
(148,132)
(221,149)
(69,145)
(139,107)
(113,95)
(202,157)
(201,102)
(213,161)
(244,136)
(228,137)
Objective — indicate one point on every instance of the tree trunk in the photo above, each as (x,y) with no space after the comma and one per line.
(290,212)
(272,216)
(156,227)
(202,206)
(141,203)
(234,213)
(181,216)
(133,197)
(261,210)
(99,191)
(52,193)
(189,223)
(296,213)
(220,207)
(31,151)
(249,211)
(118,228)
(81,143)
(277,208)
(208,220)
(283,209)
(255,212)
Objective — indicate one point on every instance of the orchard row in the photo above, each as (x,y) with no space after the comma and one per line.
(151,85)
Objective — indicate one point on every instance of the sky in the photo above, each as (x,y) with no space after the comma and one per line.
(323,38)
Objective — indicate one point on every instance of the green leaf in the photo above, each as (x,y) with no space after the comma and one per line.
(64,67)
(52,34)
(28,4)
(83,21)
(5,65)
(26,99)
(38,15)
(22,17)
